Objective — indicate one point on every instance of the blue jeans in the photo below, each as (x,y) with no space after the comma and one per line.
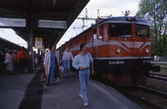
(66,67)
(14,66)
(51,74)
(84,76)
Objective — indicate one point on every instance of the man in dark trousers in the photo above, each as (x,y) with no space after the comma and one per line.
(2,59)
(22,60)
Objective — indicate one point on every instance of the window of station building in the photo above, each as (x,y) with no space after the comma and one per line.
(119,30)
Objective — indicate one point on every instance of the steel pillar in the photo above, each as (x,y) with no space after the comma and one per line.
(30,42)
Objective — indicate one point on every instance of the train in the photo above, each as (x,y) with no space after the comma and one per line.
(6,44)
(120,47)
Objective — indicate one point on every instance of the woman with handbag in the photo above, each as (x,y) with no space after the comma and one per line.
(9,61)
(50,64)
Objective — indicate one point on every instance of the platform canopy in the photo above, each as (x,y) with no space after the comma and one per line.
(50,18)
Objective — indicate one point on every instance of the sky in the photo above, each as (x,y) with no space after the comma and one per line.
(105,7)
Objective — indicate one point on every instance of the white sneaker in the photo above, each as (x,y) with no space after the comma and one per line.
(57,79)
(85,104)
(80,96)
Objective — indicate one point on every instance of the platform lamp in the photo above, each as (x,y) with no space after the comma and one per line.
(54,3)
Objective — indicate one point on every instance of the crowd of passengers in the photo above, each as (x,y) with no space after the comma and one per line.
(52,61)
(13,61)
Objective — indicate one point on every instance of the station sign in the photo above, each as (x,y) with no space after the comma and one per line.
(12,22)
(52,24)
(38,42)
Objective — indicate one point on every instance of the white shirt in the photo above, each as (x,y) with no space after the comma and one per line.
(67,56)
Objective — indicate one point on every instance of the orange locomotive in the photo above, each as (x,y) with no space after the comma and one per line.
(121,49)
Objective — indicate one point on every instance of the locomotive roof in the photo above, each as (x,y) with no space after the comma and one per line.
(124,18)
(121,19)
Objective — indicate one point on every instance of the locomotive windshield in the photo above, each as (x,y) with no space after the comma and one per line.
(142,31)
(120,30)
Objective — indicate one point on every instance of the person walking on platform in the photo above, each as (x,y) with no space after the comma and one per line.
(21,60)
(57,75)
(35,62)
(67,56)
(14,60)
(50,64)
(82,62)
(2,59)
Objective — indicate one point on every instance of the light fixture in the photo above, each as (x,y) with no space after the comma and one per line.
(147,50)
(54,3)
(118,51)
(52,24)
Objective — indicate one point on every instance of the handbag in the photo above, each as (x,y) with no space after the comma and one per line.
(61,68)
(6,61)
(43,78)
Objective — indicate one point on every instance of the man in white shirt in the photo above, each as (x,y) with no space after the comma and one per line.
(67,57)
(82,62)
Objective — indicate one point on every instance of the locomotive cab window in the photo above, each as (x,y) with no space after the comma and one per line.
(119,30)
(142,31)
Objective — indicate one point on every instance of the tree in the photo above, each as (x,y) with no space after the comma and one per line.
(155,11)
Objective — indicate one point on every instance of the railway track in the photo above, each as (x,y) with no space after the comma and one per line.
(145,97)
(158,76)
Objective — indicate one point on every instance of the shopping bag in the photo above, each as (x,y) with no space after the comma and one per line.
(61,68)
(6,61)
(43,78)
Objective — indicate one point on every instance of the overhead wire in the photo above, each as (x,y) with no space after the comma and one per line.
(101,9)
(105,5)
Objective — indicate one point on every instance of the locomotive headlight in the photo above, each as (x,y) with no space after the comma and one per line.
(118,51)
(147,50)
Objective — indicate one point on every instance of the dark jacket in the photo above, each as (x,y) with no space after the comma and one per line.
(2,57)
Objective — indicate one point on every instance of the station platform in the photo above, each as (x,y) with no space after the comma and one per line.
(25,91)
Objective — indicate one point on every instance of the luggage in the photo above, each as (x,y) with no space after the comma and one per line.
(43,78)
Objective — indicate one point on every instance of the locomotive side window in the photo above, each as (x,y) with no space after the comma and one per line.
(94,35)
(85,39)
(142,31)
(120,30)
(71,44)
(101,33)
(76,42)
